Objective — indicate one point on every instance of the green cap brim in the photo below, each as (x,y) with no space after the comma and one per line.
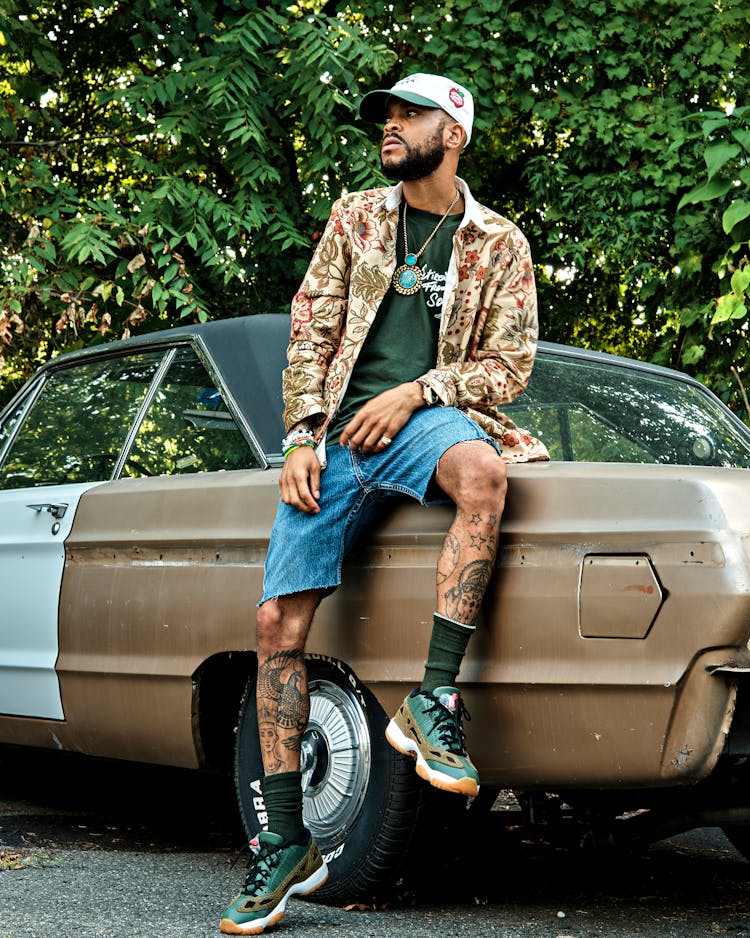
(372,106)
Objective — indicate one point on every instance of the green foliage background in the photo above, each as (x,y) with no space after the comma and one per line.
(163,162)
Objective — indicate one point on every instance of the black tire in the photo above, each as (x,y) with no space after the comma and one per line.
(739,837)
(360,797)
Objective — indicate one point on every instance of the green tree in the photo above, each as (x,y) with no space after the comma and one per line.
(586,135)
(165,160)
(714,336)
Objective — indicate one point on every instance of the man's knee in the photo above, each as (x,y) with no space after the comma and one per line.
(283,623)
(487,461)
(474,472)
(269,627)
(496,472)
(491,481)
(268,615)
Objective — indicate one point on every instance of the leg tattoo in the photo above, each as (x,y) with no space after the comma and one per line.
(466,563)
(449,557)
(283,706)
(463,601)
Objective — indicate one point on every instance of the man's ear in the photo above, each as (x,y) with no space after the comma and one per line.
(456,136)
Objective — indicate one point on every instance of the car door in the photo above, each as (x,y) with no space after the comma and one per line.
(33,526)
(65,436)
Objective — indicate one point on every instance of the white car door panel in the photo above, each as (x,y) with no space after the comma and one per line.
(34,523)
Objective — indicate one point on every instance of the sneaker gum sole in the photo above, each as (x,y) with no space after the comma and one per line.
(256,927)
(408,747)
(228,927)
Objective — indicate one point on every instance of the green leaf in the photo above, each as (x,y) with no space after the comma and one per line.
(47,61)
(693,354)
(740,281)
(737,212)
(728,307)
(743,138)
(706,192)
(718,155)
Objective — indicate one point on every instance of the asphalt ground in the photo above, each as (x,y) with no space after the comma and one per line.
(91,849)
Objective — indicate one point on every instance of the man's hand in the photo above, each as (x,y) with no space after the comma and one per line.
(382,417)
(300,480)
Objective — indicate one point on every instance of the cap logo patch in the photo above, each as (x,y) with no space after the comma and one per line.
(456,97)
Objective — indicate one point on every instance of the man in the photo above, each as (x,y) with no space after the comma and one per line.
(415,322)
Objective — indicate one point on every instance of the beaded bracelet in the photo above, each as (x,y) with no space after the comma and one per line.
(297,435)
(297,445)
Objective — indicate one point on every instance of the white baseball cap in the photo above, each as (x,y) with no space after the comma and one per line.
(427,90)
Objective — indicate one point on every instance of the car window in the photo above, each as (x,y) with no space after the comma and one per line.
(589,411)
(187,427)
(10,422)
(77,426)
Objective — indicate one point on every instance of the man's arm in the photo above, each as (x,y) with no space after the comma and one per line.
(318,316)
(318,311)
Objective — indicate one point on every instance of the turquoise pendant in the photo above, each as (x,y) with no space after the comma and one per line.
(407,279)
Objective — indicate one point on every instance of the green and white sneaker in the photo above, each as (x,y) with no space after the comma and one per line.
(429,727)
(277,871)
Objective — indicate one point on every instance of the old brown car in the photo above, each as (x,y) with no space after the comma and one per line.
(607,683)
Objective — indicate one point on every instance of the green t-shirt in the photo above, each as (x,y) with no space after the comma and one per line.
(402,342)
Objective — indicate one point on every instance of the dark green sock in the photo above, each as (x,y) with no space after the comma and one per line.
(282,793)
(447,649)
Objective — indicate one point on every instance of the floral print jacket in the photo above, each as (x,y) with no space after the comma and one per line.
(488,327)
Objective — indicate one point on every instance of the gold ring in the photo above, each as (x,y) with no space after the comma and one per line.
(385,440)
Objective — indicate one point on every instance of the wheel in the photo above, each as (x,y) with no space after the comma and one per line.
(360,797)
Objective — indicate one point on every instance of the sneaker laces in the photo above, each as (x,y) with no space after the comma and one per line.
(251,846)
(447,713)
(264,861)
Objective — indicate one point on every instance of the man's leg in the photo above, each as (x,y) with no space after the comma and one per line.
(287,861)
(429,724)
(473,475)
(283,705)
(283,625)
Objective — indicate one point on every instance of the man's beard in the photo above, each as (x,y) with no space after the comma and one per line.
(417,163)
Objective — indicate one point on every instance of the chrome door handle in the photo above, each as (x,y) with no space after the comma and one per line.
(57,511)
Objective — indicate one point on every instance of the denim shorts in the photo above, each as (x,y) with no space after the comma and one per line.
(306,551)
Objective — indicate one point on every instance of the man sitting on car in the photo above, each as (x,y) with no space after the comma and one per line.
(416,321)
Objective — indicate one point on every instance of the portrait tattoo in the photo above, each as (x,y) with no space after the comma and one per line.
(448,559)
(269,737)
